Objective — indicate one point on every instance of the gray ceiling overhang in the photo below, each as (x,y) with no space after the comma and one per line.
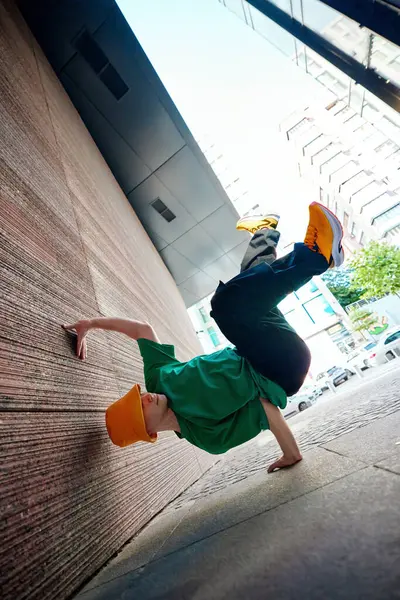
(143,138)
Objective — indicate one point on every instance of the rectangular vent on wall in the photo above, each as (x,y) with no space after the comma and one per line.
(163,210)
(95,57)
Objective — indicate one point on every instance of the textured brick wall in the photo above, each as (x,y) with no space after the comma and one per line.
(70,246)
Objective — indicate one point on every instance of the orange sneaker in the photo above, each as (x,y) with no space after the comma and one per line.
(257,222)
(324,234)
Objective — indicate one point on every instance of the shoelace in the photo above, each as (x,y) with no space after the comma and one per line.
(311,237)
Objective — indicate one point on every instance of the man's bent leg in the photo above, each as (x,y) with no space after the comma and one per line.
(261,249)
(263,287)
(246,311)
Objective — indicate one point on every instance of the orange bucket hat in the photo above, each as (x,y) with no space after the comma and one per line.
(125,420)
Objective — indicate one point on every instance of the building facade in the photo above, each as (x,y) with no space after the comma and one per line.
(348,148)
(354,169)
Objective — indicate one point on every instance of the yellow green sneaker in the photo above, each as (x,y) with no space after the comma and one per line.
(257,222)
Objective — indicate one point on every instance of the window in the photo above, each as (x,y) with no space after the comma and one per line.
(318,308)
(392,338)
(214,336)
(354,230)
(333,164)
(389,214)
(345,220)
(203,314)
(306,292)
(362,239)
(367,194)
(301,125)
(355,183)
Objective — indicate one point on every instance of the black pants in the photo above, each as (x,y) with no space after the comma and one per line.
(245,309)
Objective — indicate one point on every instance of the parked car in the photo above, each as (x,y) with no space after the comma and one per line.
(359,358)
(338,375)
(322,383)
(297,403)
(387,348)
(312,391)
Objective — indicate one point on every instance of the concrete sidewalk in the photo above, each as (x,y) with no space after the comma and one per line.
(327,528)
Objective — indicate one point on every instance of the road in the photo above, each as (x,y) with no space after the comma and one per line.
(356,382)
(355,404)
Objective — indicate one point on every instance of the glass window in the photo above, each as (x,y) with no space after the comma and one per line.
(288,304)
(355,123)
(393,338)
(236,6)
(345,114)
(388,215)
(307,136)
(354,229)
(345,220)
(386,149)
(383,204)
(300,126)
(367,194)
(335,27)
(314,67)
(276,36)
(319,308)
(355,183)
(214,336)
(307,291)
(384,57)
(322,141)
(302,57)
(324,154)
(300,320)
(389,128)
(340,89)
(203,315)
(327,79)
(345,173)
(335,163)
(370,113)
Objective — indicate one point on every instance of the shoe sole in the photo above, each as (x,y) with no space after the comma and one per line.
(337,229)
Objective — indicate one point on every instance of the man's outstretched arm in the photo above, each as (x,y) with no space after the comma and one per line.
(284,437)
(133,329)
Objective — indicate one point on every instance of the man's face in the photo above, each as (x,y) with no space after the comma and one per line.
(155,407)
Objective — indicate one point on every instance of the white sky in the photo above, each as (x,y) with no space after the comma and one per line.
(232,86)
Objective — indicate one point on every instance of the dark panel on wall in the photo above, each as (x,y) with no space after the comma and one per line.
(70,247)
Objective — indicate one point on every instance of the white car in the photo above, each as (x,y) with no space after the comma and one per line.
(387,348)
(359,358)
(297,403)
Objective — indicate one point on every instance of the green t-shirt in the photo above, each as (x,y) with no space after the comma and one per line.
(215,397)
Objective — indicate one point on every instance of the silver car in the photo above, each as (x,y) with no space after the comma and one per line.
(387,348)
(297,403)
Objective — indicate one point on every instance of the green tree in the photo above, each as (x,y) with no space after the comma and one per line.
(363,319)
(339,283)
(376,270)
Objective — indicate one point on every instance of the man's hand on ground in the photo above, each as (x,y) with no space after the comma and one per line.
(284,462)
(81,328)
